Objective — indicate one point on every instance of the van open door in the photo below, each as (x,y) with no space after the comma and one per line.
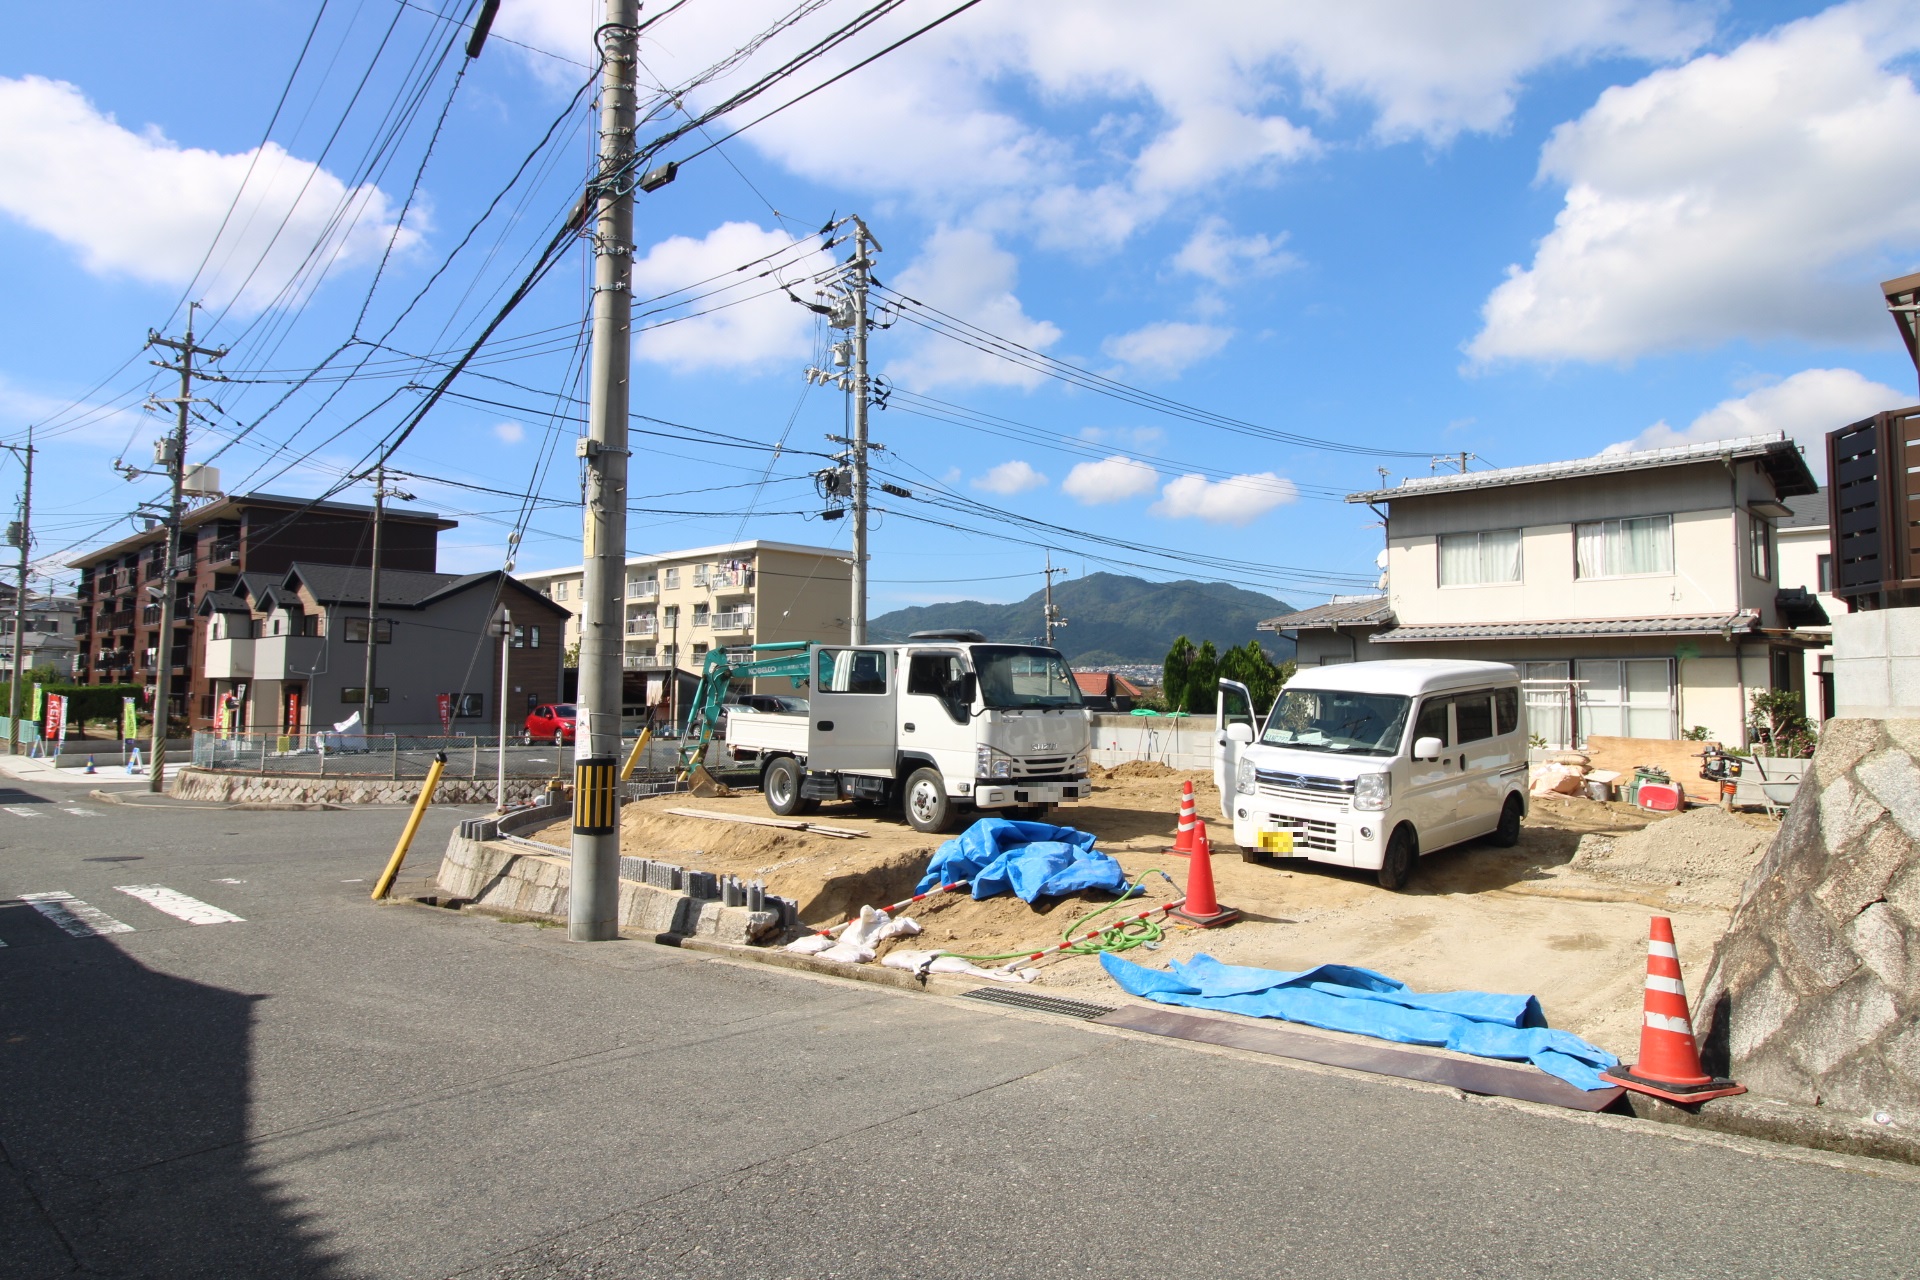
(1233,728)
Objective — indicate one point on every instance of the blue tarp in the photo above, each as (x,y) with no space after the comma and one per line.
(1340,997)
(1029,859)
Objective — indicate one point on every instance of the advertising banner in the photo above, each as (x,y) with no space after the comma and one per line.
(129,719)
(446,712)
(56,718)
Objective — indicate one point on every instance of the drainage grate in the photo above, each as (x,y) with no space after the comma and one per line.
(1082,1009)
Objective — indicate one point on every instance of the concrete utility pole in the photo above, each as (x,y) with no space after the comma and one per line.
(373,597)
(21,536)
(500,751)
(1053,618)
(862,264)
(593,907)
(175,460)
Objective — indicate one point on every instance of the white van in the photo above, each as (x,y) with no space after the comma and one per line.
(1371,764)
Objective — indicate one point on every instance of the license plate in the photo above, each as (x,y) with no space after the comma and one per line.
(1276,842)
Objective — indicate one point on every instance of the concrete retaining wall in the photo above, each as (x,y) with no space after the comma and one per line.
(247,788)
(487,866)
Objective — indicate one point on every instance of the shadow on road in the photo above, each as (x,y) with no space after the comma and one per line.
(123,1121)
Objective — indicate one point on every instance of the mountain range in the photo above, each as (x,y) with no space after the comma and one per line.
(1112,619)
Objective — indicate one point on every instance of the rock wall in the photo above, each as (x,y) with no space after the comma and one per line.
(1813,995)
(245,788)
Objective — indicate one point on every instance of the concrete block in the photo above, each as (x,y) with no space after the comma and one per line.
(634,869)
(701,884)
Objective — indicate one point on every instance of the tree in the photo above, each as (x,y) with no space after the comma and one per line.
(1779,724)
(1174,674)
(1254,667)
(1203,680)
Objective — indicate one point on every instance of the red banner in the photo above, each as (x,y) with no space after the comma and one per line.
(446,712)
(56,728)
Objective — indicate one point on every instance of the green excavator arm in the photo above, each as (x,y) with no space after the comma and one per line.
(717,674)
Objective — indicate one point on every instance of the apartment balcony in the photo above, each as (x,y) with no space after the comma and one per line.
(227,551)
(642,627)
(730,582)
(643,590)
(734,620)
(637,662)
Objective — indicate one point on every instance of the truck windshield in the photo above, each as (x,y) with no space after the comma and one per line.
(1018,679)
(1361,724)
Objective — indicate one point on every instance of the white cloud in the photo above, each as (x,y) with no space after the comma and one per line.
(738,330)
(948,120)
(963,273)
(1213,253)
(142,206)
(1757,194)
(1806,406)
(1013,477)
(1112,479)
(509,432)
(1168,347)
(1237,500)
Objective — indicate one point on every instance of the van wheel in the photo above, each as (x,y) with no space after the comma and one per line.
(1403,850)
(1507,834)
(781,783)
(929,810)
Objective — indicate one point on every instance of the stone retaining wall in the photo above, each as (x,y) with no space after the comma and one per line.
(247,788)
(1813,996)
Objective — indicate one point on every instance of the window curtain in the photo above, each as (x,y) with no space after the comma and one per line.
(1470,558)
(1500,556)
(1590,550)
(1645,545)
(1459,559)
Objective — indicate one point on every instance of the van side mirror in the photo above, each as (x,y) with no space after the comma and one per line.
(1240,732)
(1427,748)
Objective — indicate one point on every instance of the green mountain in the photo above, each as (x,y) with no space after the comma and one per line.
(1111,619)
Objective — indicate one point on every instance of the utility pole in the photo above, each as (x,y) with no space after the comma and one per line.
(21,536)
(500,752)
(1053,618)
(373,597)
(593,906)
(175,461)
(862,264)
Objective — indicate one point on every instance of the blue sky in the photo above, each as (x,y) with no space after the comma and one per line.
(1391,229)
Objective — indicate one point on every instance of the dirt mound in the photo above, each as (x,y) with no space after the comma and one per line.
(1141,769)
(1701,857)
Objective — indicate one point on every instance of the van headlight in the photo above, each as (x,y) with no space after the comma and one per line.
(1371,791)
(1243,777)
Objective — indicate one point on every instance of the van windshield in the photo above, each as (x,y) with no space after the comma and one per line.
(1017,679)
(1360,724)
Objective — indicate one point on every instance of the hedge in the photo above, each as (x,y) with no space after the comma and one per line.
(84,701)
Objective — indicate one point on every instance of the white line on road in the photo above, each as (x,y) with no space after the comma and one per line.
(74,916)
(21,811)
(80,813)
(229,880)
(178,905)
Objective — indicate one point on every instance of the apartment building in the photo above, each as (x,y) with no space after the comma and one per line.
(1640,594)
(678,605)
(121,585)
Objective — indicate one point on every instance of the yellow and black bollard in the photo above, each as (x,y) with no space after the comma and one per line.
(413,825)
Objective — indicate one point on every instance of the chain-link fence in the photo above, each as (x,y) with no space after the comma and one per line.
(398,755)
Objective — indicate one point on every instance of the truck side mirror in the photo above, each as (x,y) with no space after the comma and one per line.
(1427,749)
(1240,732)
(969,688)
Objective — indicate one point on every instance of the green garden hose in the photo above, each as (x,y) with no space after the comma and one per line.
(1124,936)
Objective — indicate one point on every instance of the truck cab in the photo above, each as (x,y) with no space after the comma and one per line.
(944,724)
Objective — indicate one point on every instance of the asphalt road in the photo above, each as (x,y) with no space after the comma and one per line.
(326,1087)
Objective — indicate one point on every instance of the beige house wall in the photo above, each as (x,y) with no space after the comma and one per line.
(1800,552)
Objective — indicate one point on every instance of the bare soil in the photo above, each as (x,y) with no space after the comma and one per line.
(1535,918)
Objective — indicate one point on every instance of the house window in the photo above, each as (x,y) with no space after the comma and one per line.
(1760,548)
(533,637)
(671,620)
(701,615)
(673,579)
(1823,574)
(519,637)
(1471,559)
(1623,548)
(357,631)
(560,589)
(1625,697)
(700,575)
(470,706)
(354,695)
(699,651)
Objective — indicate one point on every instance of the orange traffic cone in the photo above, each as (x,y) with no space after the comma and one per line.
(1669,1065)
(1200,907)
(1183,834)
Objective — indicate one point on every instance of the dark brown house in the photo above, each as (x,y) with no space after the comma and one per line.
(120,585)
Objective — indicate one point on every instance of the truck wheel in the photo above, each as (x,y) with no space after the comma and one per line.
(781,783)
(1403,850)
(1507,834)
(928,808)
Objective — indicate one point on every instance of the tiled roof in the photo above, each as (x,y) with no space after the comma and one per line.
(1687,625)
(1778,453)
(1809,511)
(1367,611)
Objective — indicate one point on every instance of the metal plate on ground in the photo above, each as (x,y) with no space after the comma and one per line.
(1083,1009)
(1498,1079)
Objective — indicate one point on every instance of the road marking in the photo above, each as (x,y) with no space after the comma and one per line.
(178,905)
(21,811)
(359,880)
(80,813)
(74,916)
(229,880)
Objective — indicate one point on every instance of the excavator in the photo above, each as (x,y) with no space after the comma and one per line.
(717,674)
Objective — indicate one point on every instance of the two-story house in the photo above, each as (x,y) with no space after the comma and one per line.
(1638,593)
(290,649)
(52,628)
(678,605)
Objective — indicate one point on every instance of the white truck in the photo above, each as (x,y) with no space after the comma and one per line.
(942,724)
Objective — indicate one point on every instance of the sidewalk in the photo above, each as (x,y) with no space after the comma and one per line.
(36,770)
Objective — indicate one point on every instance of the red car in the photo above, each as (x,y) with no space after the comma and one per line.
(551,722)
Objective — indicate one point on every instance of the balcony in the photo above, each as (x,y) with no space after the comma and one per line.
(227,551)
(643,590)
(733,620)
(637,662)
(730,581)
(642,627)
